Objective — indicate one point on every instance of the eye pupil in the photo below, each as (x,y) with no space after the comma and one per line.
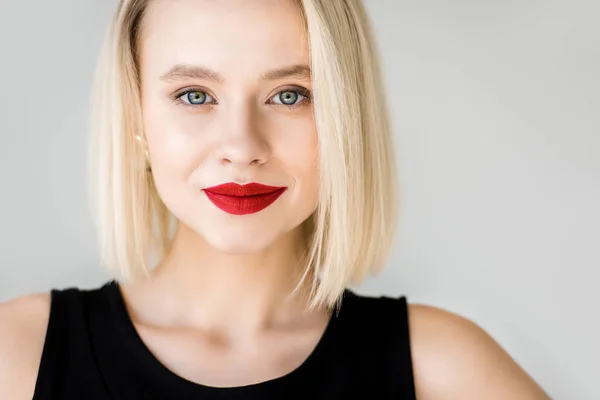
(288,97)
(196,97)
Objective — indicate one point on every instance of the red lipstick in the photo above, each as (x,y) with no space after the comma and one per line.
(243,199)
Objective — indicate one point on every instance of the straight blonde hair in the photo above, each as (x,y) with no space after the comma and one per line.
(350,234)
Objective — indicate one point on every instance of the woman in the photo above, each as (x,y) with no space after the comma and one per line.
(243,177)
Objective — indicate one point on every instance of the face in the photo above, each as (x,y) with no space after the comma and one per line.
(229,124)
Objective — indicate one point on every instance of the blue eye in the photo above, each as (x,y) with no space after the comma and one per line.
(288,97)
(291,97)
(195,97)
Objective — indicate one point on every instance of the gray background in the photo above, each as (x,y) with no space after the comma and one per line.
(495,107)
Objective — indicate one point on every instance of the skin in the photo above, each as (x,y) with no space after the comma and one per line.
(219,297)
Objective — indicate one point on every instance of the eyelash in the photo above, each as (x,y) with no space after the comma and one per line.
(303,92)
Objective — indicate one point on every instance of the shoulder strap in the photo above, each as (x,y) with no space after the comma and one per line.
(65,344)
(51,364)
(398,308)
(379,326)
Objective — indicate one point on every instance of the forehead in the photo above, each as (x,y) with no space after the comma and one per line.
(229,36)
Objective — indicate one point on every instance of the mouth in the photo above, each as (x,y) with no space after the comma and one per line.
(243,199)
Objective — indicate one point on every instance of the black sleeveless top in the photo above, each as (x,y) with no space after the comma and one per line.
(92,351)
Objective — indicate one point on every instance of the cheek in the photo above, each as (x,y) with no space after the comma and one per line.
(176,149)
(298,152)
(297,144)
(175,142)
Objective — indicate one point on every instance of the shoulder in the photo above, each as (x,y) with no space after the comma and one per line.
(23,324)
(454,358)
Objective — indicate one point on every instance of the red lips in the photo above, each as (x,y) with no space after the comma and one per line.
(243,199)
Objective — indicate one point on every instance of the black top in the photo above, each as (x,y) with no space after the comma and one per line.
(92,351)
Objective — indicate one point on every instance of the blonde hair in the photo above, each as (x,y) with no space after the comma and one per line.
(352,230)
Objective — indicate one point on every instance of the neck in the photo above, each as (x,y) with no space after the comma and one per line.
(196,285)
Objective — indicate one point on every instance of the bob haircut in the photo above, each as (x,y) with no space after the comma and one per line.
(351,232)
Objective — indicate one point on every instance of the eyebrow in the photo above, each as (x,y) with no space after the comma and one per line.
(183,71)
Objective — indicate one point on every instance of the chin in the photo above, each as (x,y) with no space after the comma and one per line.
(239,242)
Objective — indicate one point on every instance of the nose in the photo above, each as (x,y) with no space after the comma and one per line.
(242,142)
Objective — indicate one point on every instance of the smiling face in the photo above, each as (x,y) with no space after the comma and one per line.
(226,98)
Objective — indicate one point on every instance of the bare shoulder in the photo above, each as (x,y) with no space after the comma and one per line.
(454,358)
(23,325)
